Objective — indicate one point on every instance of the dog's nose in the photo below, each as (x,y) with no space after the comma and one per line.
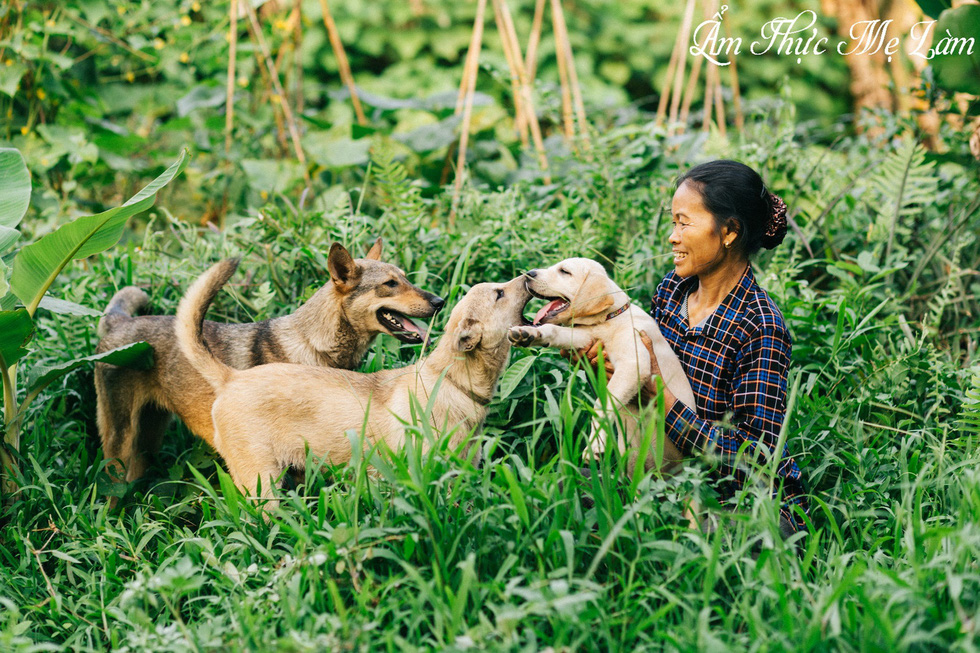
(531,273)
(437,302)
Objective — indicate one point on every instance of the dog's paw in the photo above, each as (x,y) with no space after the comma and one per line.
(523,336)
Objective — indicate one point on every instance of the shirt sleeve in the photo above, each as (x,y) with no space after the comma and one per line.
(758,402)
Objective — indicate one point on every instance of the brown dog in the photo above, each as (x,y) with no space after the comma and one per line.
(333,329)
(266,417)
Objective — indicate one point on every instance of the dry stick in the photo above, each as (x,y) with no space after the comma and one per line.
(512,57)
(284,102)
(531,60)
(692,84)
(468,65)
(230,88)
(709,91)
(685,35)
(736,94)
(338,52)
(573,78)
(566,93)
(668,79)
(473,61)
(297,58)
(527,103)
(267,83)
(720,104)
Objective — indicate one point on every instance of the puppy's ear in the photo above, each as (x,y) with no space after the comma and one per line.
(469,335)
(343,270)
(375,252)
(594,297)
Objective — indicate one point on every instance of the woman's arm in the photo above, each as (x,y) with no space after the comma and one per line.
(758,402)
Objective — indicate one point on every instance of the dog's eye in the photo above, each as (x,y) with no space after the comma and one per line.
(564,271)
(500,293)
(391,283)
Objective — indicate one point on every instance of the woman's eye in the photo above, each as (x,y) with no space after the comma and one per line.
(500,293)
(391,283)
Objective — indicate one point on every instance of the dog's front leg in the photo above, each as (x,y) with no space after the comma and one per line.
(549,335)
(621,388)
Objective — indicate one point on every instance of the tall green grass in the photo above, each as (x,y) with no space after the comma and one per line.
(400,551)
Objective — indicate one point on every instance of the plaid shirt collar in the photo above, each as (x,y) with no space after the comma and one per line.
(727,313)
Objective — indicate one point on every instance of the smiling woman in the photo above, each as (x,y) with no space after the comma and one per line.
(729,335)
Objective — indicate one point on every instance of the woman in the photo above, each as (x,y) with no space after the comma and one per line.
(729,335)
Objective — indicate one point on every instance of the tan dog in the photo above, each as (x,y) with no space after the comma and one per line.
(333,329)
(580,293)
(266,417)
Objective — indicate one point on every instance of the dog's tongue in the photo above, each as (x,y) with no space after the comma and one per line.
(555,303)
(408,325)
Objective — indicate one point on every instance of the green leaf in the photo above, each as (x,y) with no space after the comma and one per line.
(15,189)
(957,62)
(37,265)
(512,377)
(8,237)
(64,307)
(138,355)
(270,175)
(10,77)
(16,329)
(933,8)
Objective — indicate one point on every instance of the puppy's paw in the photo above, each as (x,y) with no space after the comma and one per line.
(523,336)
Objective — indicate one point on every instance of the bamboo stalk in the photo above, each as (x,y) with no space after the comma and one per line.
(298,99)
(512,56)
(283,100)
(736,92)
(692,84)
(685,36)
(230,87)
(268,92)
(471,64)
(530,117)
(566,94)
(668,80)
(709,97)
(342,64)
(573,77)
(472,60)
(531,60)
(720,106)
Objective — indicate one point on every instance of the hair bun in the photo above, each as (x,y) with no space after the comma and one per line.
(776,225)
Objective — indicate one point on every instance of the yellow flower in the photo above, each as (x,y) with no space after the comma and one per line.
(158,43)
(243,81)
(50,23)
(184,57)
(276,98)
(44,162)
(23,130)
(120,10)
(130,77)
(41,94)
(264,195)
(196,7)
(281,25)
(9,62)
(185,20)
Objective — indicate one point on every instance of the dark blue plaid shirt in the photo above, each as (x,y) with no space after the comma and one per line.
(737,360)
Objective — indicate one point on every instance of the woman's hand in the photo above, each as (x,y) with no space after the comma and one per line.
(589,355)
(649,388)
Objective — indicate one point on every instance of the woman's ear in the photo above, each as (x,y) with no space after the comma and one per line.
(730,233)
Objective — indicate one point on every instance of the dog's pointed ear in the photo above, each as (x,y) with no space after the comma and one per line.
(343,270)
(469,335)
(375,252)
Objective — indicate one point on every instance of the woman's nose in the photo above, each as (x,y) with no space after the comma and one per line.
(674,237)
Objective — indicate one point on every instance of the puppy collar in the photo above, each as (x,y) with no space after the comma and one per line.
(619,311)
(480,399)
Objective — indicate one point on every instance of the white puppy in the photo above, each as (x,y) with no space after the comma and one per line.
(581,294)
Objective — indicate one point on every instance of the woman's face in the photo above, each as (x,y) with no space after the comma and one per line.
(697,243)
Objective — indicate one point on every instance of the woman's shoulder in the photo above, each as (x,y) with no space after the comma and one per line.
(763,313)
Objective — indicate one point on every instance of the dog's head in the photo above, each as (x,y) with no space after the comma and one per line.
(576,290)
(377,297)
(481,319)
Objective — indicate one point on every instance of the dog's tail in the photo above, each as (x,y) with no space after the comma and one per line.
(190,323)
(124,305)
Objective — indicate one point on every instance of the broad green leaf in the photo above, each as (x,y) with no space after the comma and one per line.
(16,329)
(512,377)
(933,8)
(65,307)
(10,77)
(8,237)
(957,62)
(271,175)
(332,152)
(138,355)
(37,265)
(15,189)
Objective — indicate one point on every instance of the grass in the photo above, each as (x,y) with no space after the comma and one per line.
(434,552)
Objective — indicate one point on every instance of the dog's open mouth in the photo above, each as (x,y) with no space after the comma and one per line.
(550,310)
(401,326)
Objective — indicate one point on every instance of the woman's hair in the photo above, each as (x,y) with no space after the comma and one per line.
(733,191)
